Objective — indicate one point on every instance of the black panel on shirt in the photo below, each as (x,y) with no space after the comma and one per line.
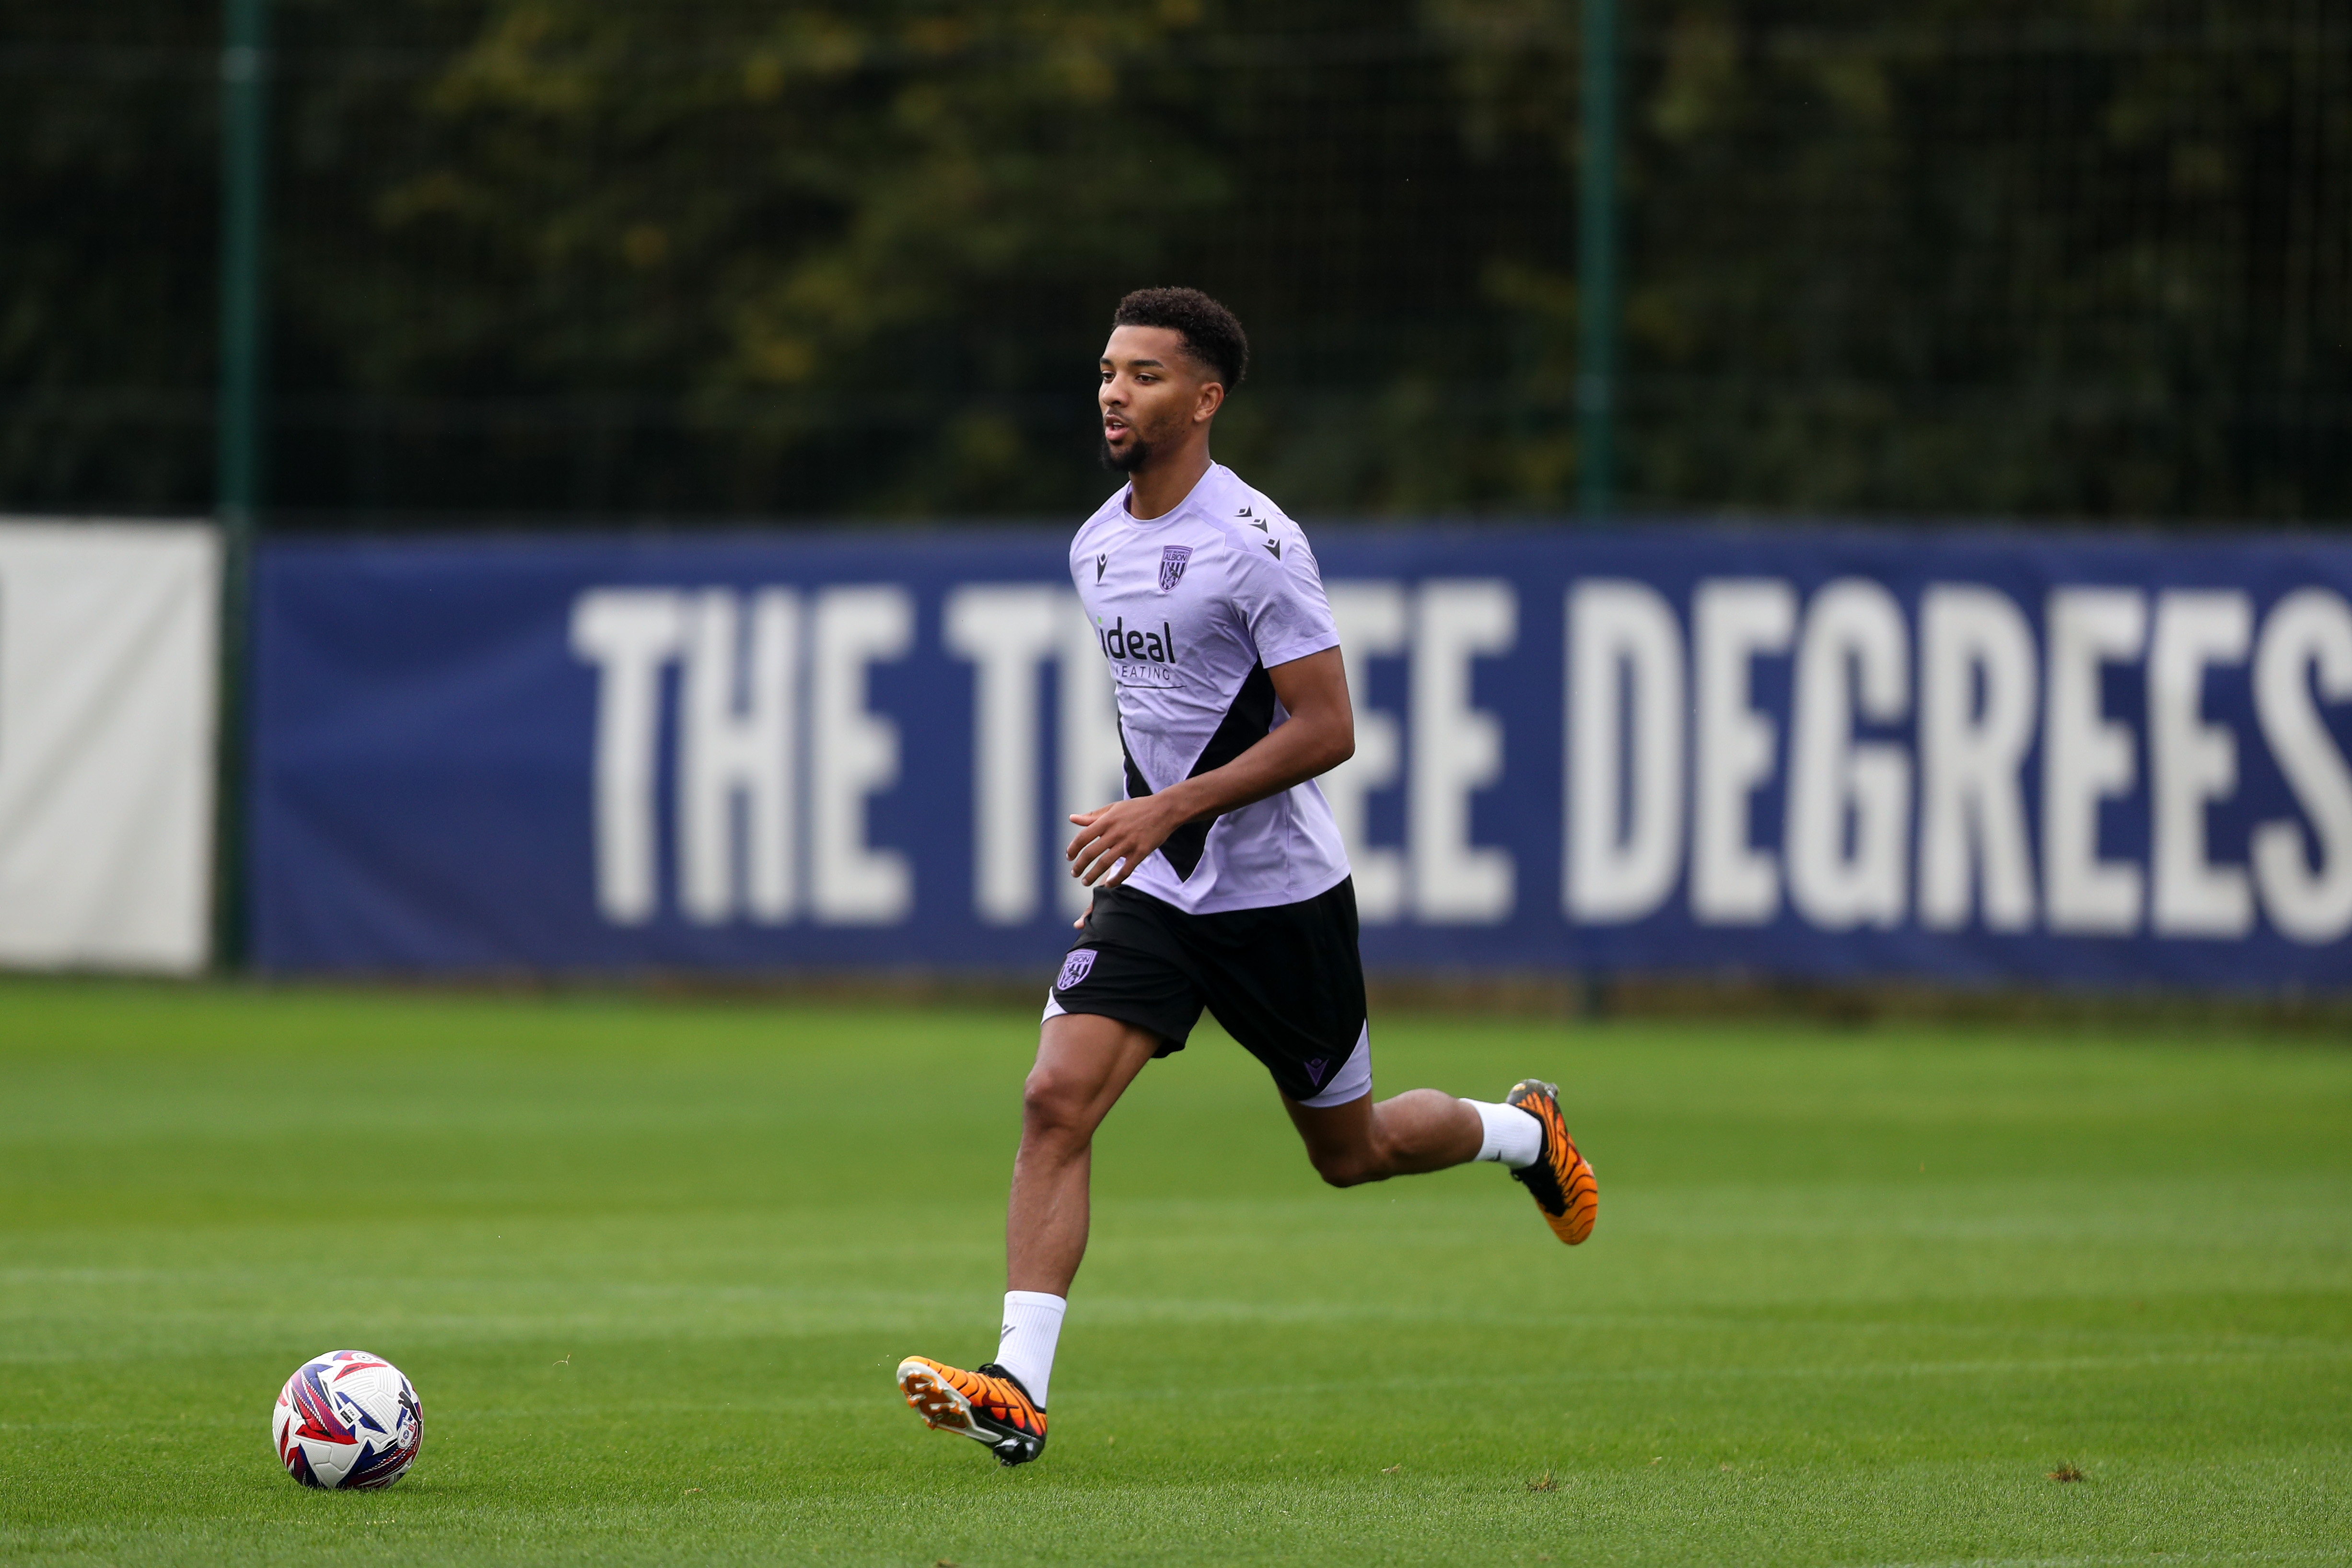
(1248,721)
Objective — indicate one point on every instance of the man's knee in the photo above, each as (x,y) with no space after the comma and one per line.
(1348,1167)
(1054,1103)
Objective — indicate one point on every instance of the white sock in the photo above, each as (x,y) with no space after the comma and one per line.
(1033,1325)
(1512,1137)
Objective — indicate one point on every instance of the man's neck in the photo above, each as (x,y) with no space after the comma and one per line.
(1161,488)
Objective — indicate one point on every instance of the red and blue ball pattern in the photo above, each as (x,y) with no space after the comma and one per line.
(347,1420)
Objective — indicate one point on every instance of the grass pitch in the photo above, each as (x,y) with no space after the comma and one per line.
(1852,1298)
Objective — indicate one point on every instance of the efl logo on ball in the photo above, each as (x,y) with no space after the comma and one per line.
(347,1420)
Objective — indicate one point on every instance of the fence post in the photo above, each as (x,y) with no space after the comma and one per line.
(1596,266)
(238,474)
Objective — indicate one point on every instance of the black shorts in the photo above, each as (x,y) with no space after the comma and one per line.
(1287,982)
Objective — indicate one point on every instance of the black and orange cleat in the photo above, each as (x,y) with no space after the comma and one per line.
(988,1405)
(1560,1179)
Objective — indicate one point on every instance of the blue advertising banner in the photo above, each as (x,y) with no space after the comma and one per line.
(1967,756)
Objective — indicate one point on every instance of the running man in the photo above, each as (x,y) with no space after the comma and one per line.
(1220,880)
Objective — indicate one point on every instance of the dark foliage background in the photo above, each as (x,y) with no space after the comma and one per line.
(569,259)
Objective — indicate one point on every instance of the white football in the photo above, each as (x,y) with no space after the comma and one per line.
(347,1419)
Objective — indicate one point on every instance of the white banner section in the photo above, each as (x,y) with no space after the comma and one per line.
(109,654)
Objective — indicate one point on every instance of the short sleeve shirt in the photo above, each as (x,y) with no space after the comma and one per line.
(1191,611)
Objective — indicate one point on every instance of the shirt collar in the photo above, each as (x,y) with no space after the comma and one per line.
(1174,512)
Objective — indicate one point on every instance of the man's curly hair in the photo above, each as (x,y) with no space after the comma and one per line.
(1212,334)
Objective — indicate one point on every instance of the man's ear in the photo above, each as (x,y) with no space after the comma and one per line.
(1213,398)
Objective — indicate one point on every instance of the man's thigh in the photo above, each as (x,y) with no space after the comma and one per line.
(1084,1062)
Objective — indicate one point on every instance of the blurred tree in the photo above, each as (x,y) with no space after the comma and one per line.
(686,257)
(815,243)
(108,271)
(1972,256)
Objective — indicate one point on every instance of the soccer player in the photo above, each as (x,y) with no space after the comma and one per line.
(1220,880)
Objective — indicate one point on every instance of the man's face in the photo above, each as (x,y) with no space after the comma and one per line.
(1152,393)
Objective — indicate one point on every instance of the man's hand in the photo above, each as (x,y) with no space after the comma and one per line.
(1113,839)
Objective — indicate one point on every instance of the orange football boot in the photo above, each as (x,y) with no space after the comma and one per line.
(988,1405)
(1560,1179)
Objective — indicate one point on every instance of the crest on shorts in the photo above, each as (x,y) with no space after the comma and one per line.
(1075,967)
(1171,565)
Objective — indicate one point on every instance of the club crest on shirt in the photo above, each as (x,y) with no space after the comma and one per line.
(1075,967)
(1171,565)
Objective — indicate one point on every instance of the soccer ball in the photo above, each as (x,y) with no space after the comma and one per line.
(347,1419)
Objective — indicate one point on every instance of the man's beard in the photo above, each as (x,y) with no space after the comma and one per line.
(1137,454)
